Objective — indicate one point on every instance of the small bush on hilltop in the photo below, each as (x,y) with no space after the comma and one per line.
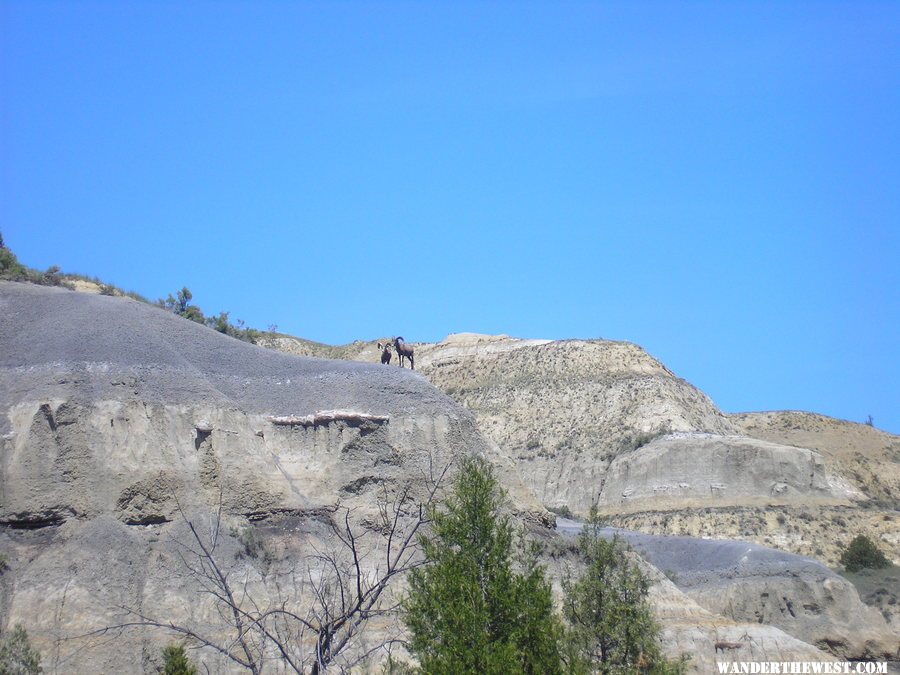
(10,267)
(180,304)
(12,270)
(862,553)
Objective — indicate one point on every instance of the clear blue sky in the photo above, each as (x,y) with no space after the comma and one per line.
(718,182)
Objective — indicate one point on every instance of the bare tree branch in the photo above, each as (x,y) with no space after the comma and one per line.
(336,591)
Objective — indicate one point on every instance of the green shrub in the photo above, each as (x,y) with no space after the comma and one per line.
(468,609)
(611,625)
(10,268)
(638,439)
(176,661)
(563,511)
(53,276)
(17,656)
(862,553)
(180,304)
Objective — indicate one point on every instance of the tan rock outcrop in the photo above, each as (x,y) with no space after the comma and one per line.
(687,470)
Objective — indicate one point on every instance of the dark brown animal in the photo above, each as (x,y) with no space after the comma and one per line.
(385,353)
(404,351)
(728,645)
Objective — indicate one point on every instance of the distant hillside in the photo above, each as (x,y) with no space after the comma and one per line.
(868,456)
(566,412)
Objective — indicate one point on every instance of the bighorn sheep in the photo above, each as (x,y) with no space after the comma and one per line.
(723,646)
(404,351)
(385,353)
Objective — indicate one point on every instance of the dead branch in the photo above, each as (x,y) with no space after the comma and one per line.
(343,587)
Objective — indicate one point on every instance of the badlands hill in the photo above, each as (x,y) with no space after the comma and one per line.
(599,420)
(588,420)
(116,415)
(121,421)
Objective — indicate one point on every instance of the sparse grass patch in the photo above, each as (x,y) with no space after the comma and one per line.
(254,547)
(879,588)
(638,439)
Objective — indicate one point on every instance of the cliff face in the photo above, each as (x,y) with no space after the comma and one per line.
(121,422)
(565,410)
(561,410)
(108,399)
(119,418)
(695,470)
(866,455)
(604,421)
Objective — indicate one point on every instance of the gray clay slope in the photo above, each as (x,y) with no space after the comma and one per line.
(115,414)
(107,403)
(55,343)
(699,562)
(752,583)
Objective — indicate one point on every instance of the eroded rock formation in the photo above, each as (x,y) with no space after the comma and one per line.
(120,422)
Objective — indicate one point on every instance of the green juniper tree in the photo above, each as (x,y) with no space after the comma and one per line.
(469,609)
(611,626)
(176,662)
(862,553)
